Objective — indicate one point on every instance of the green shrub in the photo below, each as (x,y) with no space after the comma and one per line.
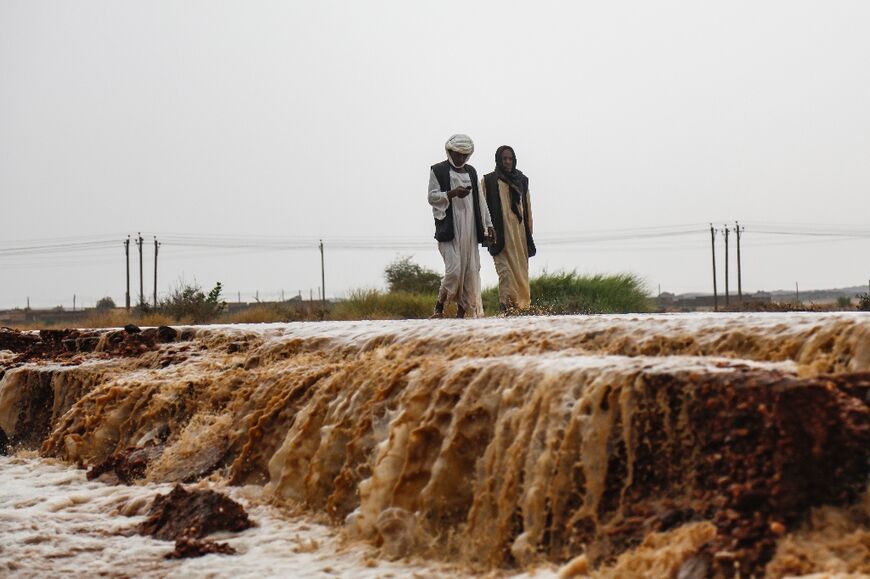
(188,302)
(403,275)
(570,293)
(864,302)
(105,303)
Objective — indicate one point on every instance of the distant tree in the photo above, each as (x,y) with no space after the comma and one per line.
(864,302)
(403,275)
(105,303)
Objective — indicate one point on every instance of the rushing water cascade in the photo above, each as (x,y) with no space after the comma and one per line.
(496,442)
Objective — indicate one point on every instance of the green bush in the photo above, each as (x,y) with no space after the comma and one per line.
(403,275)
(864,302)
(188,302)
(570,293)
(105,303)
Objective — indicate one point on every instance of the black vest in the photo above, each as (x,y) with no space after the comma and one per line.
(444,227)
(493,200)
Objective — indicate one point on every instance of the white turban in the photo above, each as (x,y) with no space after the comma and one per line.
(461,144)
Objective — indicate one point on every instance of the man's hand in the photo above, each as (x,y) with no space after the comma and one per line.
(490,236)
(459,192)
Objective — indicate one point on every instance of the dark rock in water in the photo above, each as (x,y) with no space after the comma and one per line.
(115,338)
(45,344)
(4,443)
(183,514)
(88,344)
(54,338)
(128,465)
(16,341)
(132,329)
(187,547)
(166,334)
(187,334)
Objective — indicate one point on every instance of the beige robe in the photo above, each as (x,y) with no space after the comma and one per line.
(512,263)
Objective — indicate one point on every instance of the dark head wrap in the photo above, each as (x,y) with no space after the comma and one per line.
(514,178)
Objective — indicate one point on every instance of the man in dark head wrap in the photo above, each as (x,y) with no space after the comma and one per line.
(507,194)
(462,222)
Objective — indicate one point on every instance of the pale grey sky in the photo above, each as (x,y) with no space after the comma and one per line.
(321,119)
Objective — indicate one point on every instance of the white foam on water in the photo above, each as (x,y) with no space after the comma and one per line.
(54,522)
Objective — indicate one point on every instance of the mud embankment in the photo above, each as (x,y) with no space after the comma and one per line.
(499,443)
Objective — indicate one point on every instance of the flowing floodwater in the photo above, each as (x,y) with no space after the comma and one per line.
(706,445)
(56,523)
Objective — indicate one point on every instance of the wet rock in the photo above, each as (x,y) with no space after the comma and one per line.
(88,344)
(61,345)
(132,329)
(54,338)
(166,334)
(193,514)
(4,443)
(187,548)
(16,341)
(127,465)
(187,334)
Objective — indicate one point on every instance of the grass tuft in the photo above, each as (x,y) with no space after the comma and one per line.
(372,304)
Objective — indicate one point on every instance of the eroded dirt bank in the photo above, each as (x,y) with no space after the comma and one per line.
(497,443)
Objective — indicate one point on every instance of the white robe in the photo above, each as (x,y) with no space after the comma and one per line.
(461,255)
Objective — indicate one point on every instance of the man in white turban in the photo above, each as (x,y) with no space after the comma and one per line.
(462,221)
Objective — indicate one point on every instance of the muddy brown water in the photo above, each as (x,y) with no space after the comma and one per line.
(719,445)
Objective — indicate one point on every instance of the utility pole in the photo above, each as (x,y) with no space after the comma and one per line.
(127,254)
(727,294)
(737,229)
(715,291)
(156,246)
(322,279)
(139,241)
(239,297)
(797,295)
(74,302)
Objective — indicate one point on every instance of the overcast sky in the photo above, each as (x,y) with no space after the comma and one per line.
(321,119)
